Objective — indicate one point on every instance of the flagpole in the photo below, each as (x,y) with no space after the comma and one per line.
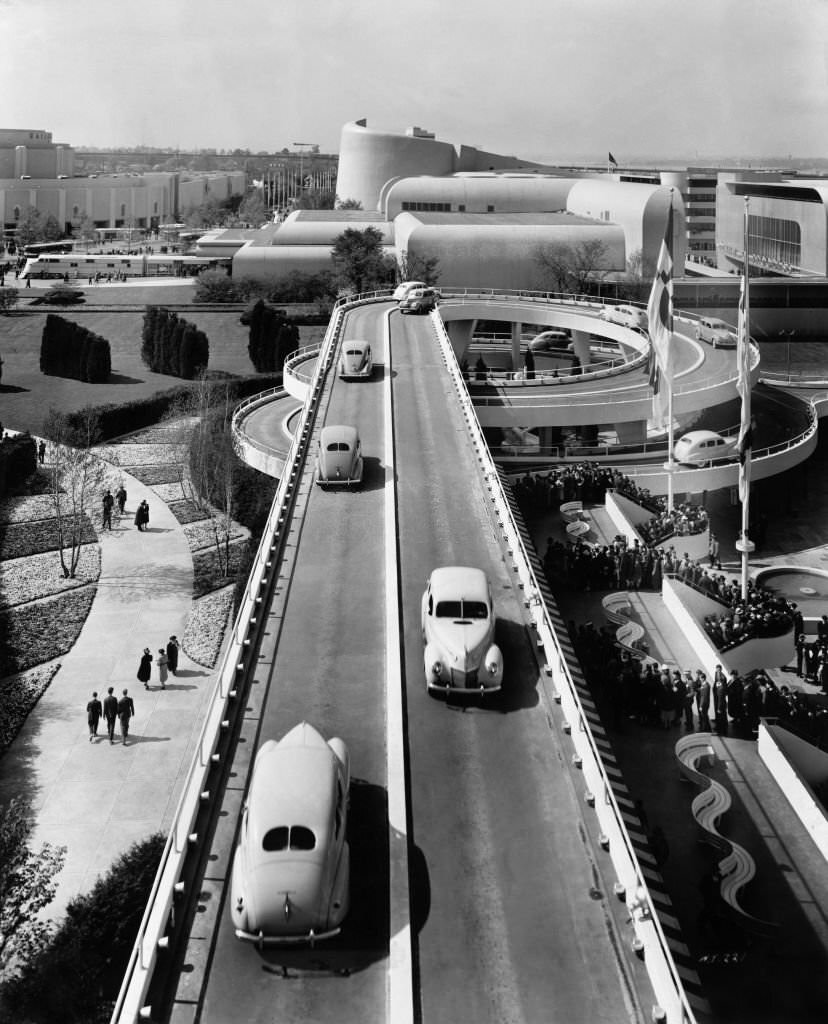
(670,494)
(744,544)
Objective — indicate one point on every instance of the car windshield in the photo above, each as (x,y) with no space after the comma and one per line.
(297,837)
(462,610)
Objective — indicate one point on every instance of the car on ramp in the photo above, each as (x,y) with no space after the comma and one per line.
(290,878)
(458,624)
(703,448)
(339,460)
(355,360)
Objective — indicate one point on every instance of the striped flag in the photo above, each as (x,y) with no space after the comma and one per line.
(743,386)
(660,320)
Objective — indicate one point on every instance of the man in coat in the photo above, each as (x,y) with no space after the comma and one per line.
(172,654)
(126,710)
(720,700)
(110,712)
(94,710)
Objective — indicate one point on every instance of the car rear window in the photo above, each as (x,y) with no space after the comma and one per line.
(338,446)
(462,610)
(297,837)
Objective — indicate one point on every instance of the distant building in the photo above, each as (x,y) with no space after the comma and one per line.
(35,172)
(482,215)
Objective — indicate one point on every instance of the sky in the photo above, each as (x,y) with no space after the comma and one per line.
(550,80)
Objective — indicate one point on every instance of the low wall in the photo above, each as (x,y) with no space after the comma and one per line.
(797,766)
(627,516)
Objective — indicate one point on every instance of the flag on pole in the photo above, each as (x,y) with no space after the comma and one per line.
(611,160)
(660,320)
(743,386)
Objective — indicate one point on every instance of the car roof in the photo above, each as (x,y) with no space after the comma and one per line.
(457,581)
(292,783)
(356,343)
(695,436)
(339,432)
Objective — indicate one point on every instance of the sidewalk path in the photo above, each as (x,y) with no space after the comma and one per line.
(95,798)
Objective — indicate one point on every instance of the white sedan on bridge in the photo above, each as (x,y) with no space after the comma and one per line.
(339,457)
(458,623)
(291,869)
(355,362)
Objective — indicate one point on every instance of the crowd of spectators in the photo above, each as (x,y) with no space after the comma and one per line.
(658,696)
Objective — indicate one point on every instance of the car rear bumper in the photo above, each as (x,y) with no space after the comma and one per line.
(305,939)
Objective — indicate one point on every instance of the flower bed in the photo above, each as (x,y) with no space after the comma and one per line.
(164,473)
(38,632)
(128,454)
(206,626)
(187,511)
(207,576)
(26,579)
(23,509)
(18,695)
(201,534)
(17,540)
(171,492)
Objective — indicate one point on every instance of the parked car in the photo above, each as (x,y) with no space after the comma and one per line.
(715,332)
(355,362)
(703,447)
(405,287)
(419,300)
(458,623)
(339,457)
(627,316)
(290,875)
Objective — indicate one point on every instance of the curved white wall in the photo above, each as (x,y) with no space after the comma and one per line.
(507,193)
(368,158)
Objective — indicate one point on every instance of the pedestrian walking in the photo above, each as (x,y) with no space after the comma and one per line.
(108,502)
(121,497)
(172,654)
(94,710)
(145,668)
(142,515)
(161,662)
(126,710)
(110,712)
(41,452)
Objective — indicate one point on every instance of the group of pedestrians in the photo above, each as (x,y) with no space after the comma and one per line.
(166,662)
(108,503)
(112,709)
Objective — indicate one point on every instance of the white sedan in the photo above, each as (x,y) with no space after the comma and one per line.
(703,447)
(355,362)
(339,457)
(291,868)
(458,623)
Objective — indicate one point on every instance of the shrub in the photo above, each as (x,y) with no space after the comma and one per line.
(69,350)
(86,959)
(18,462)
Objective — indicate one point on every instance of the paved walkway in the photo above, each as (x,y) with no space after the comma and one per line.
(95,798)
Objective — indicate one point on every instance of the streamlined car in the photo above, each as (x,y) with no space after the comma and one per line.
(458,623)
(715,332)
(549,341)
(355,361)
(419,300)
(291,867)
(703,447)
(339,458)
(404,287)
(627,316)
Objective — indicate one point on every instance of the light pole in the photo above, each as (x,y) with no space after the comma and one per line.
(303,147)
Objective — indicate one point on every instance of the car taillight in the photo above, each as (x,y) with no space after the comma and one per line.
(437,668)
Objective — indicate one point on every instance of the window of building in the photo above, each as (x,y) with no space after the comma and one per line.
(489,209)
(774,239)
(123,209)
(461,207)
(16,213)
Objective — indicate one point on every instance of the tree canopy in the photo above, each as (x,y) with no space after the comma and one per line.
(360,263)
(574,268)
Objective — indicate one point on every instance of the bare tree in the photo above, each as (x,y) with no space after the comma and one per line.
(571,268)
(27,885)
(76,477)
(418,268)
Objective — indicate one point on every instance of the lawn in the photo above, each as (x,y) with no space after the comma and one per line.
(26,393)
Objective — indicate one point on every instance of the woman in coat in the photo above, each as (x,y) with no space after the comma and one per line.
(145,668)
(161,662)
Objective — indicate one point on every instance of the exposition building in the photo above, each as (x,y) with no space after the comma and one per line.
(37,172)
(482,215)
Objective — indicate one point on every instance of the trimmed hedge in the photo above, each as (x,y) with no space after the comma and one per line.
(18,462)
(125,418)
(69,350)
(173,346)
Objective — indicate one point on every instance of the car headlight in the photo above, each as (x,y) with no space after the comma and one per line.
(492,668)
(437,668)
